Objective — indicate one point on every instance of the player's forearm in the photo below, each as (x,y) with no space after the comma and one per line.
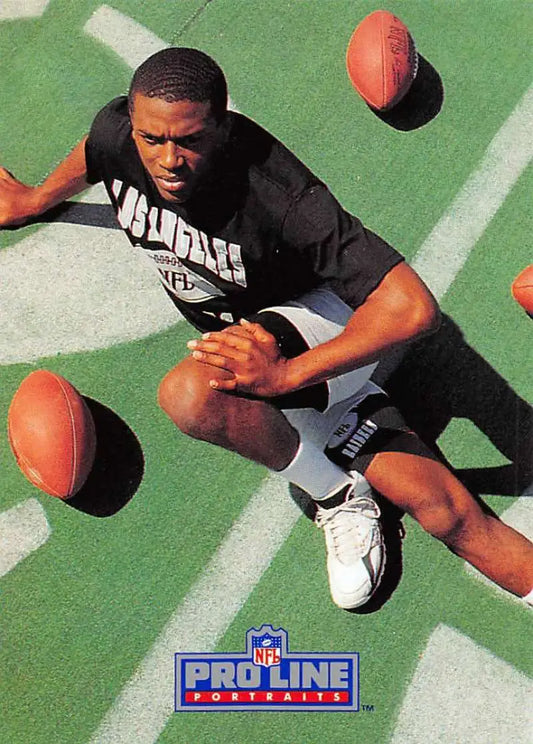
(67,180)
(20,202)
(399,311)
(348,351)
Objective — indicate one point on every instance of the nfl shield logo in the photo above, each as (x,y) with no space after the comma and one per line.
(266,648)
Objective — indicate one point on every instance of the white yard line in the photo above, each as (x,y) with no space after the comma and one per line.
(444,252)
(462,693)
(142,709)
(131,41)
(87,289)
(23,529)
(11,10)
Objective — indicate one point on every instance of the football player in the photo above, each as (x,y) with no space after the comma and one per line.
(296,302)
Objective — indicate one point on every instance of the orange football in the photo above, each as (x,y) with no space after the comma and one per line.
(381,60)
(51,432)
(522,289)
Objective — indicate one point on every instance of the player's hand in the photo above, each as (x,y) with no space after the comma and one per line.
(250,353)
(17,200)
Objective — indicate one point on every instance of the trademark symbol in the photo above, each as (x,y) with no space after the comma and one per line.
(367,708)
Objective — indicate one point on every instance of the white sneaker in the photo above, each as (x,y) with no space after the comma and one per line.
(355,548)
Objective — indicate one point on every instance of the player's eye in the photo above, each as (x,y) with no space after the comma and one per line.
(191,141)
(150,140)
(187,144)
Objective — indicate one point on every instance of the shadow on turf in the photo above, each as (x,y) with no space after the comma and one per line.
(75,213)
(441,378)
(438,379)
(422,102)
(118,466)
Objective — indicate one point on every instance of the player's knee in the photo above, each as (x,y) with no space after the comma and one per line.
(448,516)
(185,396)
(443,523)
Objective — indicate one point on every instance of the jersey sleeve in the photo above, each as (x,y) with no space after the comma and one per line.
(109,132)
(340,251)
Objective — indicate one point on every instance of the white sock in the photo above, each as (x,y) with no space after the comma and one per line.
(529,598)
(315,473)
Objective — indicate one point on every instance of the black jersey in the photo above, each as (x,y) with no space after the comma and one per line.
(261,231)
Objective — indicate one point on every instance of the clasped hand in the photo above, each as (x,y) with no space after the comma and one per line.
(250,353)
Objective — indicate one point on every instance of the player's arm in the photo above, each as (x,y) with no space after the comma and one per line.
(19,202)
(399,310)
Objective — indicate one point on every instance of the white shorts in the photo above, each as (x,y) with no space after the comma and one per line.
(359,419)
(319,316)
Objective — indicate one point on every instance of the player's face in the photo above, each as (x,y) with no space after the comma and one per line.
(176,143)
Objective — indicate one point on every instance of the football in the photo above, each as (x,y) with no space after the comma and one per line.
(51,432)
(381,60)
(522,289)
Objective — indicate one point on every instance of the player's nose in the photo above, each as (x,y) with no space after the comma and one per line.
(171,156)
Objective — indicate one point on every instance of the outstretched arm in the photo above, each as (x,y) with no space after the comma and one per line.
(19,202)
(399,310)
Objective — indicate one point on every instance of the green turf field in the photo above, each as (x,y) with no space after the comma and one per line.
(86,600)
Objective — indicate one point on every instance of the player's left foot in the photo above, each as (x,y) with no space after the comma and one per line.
(355,548)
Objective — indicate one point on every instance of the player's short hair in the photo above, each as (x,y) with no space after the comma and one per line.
(181,74)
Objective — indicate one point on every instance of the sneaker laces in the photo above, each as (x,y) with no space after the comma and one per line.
(350,527)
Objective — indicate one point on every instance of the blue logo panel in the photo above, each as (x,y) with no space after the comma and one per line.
(267,677)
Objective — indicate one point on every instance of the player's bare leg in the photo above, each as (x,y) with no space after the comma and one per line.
(257,430)
(422,487)
(253,428)
(439,502)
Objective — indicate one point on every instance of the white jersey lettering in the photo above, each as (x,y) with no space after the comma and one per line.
(153,232)
(221,250)
(178,240)
(168,228)
(196,253)
(210,256)
(116,187)
(239,275)
(127,210)
(183,239)
(138,226)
